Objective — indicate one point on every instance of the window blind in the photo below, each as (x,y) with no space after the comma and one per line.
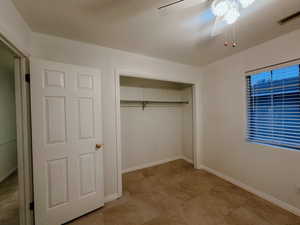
(274,107)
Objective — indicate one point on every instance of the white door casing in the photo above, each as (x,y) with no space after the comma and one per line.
(66,126)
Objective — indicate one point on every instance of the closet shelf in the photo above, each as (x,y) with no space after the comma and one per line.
(144,103)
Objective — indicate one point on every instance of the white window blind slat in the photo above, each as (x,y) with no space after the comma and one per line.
(273,105)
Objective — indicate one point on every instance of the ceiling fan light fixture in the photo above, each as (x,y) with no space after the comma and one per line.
(232,16)
(246,3)
(220,7)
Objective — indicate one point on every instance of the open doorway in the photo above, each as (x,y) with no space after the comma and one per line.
(9,191)
(156,123)
(15,157)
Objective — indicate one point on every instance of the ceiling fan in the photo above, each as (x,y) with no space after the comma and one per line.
(224,10)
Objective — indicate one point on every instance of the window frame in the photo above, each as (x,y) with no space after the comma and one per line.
(247,83)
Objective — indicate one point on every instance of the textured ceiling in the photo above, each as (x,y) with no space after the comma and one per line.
(136,26)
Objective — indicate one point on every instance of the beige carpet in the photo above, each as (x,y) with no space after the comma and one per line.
(9,205)
(176,194)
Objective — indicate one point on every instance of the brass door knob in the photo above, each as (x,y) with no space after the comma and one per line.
(98,146)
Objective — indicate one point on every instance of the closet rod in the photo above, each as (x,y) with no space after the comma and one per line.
(144,103)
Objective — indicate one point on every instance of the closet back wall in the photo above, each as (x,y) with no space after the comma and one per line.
(155,134)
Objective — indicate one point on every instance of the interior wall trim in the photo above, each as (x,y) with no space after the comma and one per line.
(156,163)
(254,191)
(23,138)
(150,164)
(197,119)
(187,159)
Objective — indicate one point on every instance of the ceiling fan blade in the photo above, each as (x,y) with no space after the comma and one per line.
(177,5)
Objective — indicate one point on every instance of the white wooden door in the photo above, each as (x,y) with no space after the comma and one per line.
(66,126)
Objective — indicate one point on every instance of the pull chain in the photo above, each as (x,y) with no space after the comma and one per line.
(234,41)
(226,39)
(231,34)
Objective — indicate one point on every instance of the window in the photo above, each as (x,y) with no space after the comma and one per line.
(274,107)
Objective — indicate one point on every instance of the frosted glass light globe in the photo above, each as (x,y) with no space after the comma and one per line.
(246,3)
(232,16)
(220,8)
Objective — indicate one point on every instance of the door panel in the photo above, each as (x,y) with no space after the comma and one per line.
(86,118)
(55,109)
(87,174)
(58,191)
(67,125)
(54,78)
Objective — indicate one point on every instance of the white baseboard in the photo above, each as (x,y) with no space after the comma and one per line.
(187,159)
(252,190)
(146,165)
(111,197)
(8,174)
(246,187)
(159,162)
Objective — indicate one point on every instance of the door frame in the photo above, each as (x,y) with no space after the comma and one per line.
(23,119)
(196,86)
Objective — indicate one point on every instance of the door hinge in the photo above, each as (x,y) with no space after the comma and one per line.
(27,77)
(31,206)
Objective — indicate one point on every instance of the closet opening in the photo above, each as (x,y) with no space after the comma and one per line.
(156,123)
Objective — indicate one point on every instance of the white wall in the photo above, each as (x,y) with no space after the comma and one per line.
(151,135)
(274,171)
(13,27)
(108,60)
(8,148)
(160,131)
